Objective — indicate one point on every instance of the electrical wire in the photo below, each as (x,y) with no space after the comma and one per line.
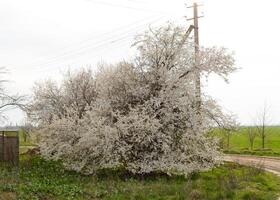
(88,42)
(94,55)
(98,44)
(84,53)
(129,7)
(93,38)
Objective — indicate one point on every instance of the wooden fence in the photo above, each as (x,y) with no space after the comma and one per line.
(9,149)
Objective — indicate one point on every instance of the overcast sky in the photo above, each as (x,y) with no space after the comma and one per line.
(40,39)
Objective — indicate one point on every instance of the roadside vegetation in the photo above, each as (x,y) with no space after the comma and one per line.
(41,179)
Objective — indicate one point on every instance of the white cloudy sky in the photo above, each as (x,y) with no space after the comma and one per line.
(39,39)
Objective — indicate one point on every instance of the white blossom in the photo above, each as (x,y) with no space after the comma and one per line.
(140,115)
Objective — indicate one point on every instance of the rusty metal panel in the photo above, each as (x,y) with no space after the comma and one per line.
(9,149)
(1,148)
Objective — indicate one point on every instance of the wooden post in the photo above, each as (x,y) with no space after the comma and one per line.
(17,150)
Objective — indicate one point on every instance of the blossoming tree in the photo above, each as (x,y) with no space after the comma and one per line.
(139,115)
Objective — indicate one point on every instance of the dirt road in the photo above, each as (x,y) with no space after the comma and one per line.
(268,163)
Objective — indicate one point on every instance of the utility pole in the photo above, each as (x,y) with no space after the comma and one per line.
(196,57)
(196,60)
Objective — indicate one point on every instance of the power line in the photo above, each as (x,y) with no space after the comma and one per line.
(108,38)
(115,30)
(129,7)
(89,40)
(97,45)
(94,55)
(82,53)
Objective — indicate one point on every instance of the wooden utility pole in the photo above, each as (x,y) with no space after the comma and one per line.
(197,72)
(196,59)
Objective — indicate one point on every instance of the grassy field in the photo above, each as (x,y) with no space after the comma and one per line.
(239,142)
(45,180)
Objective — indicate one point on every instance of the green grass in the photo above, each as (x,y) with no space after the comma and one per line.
(239,142)
(25,145)
(47,180)
(23,142)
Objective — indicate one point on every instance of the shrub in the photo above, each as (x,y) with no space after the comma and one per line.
(142,116)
